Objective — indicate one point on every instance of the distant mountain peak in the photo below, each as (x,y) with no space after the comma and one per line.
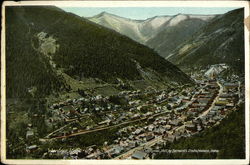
(101,14)
(143,30)
(105,14)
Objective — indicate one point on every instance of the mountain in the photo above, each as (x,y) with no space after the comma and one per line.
(138,30)
(151,26)
(162,33)
(46,47)
(220,41)
(176,31)
(124,26)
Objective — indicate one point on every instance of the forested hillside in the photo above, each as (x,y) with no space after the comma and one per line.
(26,68)
(42,41)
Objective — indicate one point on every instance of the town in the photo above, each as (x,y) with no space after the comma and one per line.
(144,119)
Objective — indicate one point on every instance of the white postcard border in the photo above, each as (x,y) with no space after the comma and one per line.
(244,4)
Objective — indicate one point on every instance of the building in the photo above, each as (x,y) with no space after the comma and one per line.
(149,137)
(230,85)
(170,137)
(31,148)
(167,127)
(221,103)
(105,122)
(190,127)
(175,122)
(29,134)
(192,113)
(117,149)
(139,155)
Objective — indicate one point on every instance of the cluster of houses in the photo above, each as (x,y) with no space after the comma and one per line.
(167,114)
(203,99)
(73,110)
(226,102)
(133,136)
(138,135)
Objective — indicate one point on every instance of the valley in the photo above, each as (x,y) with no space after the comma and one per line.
(108,87)
(140,120)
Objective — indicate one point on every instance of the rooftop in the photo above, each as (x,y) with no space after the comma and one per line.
(139,155)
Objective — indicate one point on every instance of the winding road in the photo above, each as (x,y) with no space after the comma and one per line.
(214,101)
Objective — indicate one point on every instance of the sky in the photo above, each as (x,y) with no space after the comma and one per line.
(141,13)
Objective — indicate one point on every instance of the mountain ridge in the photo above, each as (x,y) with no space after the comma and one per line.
(220,41)
(146,31)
